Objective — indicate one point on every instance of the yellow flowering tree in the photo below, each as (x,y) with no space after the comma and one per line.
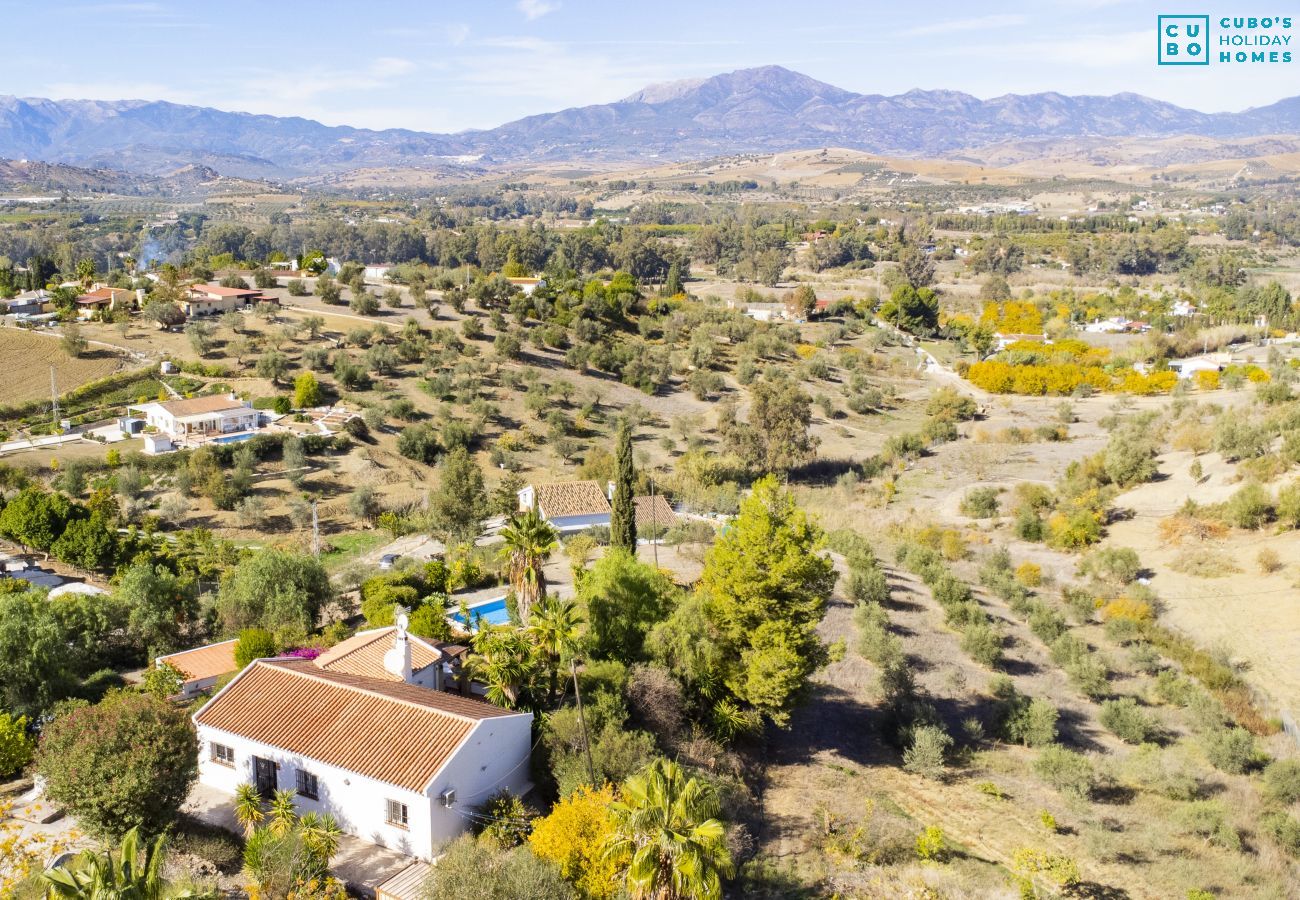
(574,836)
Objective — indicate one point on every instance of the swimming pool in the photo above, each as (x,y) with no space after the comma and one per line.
(233,438)
(491,611)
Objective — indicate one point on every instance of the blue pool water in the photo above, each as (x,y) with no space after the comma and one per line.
(233,438)
(491,611)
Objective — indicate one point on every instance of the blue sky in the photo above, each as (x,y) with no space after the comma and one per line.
(448,65)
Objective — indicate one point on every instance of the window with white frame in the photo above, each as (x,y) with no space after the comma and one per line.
(397,814)
(223,754)
(308,786)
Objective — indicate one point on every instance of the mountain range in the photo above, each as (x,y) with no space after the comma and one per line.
(764,109)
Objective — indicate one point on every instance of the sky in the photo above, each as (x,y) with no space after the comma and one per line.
(449,65)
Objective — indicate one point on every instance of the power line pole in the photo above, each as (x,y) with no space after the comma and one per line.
(582,720)
(54,398)
(654,523)
(315,531)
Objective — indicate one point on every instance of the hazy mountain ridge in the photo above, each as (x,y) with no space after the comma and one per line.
(762,109)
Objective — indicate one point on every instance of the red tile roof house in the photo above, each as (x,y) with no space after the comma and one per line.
(100,299)
(202,667)
(214,299)
(356,735)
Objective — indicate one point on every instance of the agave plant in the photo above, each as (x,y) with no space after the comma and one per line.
(133,873)
(284,815)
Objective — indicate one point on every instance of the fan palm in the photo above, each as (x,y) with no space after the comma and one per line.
(529,542)
(135,873)
(248,808)
(667,835)
(556,628)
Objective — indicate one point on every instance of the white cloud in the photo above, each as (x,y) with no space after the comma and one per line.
(535,9)
(981,23)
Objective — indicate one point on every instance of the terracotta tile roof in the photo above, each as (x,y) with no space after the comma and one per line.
(102,295)
(219,290)
(397,733)
(204,662)
(363,654)
(652,511)
(571,498)
(199,405)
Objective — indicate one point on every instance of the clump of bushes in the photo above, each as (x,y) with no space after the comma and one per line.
(981,503)
(1128,721)
(1066,770)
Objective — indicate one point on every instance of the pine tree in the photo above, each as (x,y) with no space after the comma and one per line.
(622,524)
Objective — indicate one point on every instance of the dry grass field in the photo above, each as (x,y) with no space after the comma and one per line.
(26,358)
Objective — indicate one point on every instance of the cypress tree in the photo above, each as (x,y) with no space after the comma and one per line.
(622,523)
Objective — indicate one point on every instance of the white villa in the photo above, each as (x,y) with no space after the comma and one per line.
(356,735)
(199,416)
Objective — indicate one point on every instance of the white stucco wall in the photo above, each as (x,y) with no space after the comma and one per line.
(495,755)
(357,802)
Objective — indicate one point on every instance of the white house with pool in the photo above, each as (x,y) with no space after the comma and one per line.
(362,733)
(199,418)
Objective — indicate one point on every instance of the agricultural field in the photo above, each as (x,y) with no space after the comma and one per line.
(29,356)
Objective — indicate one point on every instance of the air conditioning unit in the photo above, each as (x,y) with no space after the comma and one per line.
(448,797)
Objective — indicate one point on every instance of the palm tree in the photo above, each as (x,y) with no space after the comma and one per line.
(134,874)
(284,815)
(248,808)
(505,660)
(529,542)
(667,836)
(556,629)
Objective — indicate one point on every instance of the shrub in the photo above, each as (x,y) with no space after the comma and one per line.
(1029,574)
(1060,870)
(1090,674)
(1284,830)
(1231,750)
(989,789)
(1035,725)
(1268,561)
(16,745)
(980,503)
(931,845)
(126,762)
(926,753)
(1067,771)
(1208,819)
(1048,821)
(254,643)
(1250,507)
(982,643)
(1127,720)
(1204,562)
(1115,565)
(1282,780)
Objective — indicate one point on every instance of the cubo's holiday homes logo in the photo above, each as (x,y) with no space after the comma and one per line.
(1187,40)
(1184,41)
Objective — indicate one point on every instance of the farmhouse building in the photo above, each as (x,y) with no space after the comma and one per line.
(396,763)
(215,299)
(199,417)
(103,299)
(568,505)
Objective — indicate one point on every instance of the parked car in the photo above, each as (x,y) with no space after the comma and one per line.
(388,560)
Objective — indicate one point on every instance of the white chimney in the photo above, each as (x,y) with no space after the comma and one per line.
(398,659)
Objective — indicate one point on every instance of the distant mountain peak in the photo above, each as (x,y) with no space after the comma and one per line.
(762,109)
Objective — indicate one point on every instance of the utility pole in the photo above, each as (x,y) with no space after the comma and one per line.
(654,523)
(582,720)
(315,531)
(54,398)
